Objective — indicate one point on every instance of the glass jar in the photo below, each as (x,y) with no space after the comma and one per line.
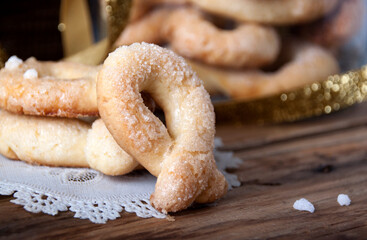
(268,60)
(276,60)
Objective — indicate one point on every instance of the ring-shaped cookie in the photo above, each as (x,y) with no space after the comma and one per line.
(146,29)
(62,142)
(58,89)
(248,45)
(62,89)
(309,63)
(191,35)
(181,155)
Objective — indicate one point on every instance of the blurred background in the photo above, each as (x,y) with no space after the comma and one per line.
(34,28)
(86,30)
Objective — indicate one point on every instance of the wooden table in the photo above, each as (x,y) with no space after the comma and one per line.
(316,159)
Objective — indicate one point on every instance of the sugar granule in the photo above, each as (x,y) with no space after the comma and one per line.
(343,200)
(303,205)
(30,74)
(13,63)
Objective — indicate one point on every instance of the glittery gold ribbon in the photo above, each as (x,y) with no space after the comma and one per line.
(117,17)
(331,95)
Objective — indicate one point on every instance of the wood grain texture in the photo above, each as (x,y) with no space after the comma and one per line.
(316,159)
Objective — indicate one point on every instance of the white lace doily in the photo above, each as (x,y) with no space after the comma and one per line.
(89,193)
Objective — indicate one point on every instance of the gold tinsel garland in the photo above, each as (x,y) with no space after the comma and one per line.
(337,92)
(117,17)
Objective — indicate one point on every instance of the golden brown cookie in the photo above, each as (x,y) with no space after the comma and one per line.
(191,35)
(59,89)
(247,45)
(309,63)
(62,89)
(181,155)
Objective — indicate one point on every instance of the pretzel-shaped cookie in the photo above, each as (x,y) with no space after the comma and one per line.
(303,68)
(247,45)
(338,27)
(191,35)
(181,155)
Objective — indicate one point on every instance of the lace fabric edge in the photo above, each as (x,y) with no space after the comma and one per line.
(96,211)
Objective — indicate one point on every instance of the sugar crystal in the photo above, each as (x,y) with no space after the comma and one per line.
(303,205)
(30,74)
(343,200)
(13,63)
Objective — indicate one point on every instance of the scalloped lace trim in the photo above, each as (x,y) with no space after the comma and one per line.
(79,186)
(96,211)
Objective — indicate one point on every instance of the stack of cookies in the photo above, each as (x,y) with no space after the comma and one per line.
(49,115)
(42,104)
(247,49)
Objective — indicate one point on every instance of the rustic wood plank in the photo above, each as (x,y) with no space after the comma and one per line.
(289,164)
(243,137)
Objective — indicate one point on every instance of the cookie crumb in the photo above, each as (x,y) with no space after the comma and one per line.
(343,200)
(303,205)
(170,218)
